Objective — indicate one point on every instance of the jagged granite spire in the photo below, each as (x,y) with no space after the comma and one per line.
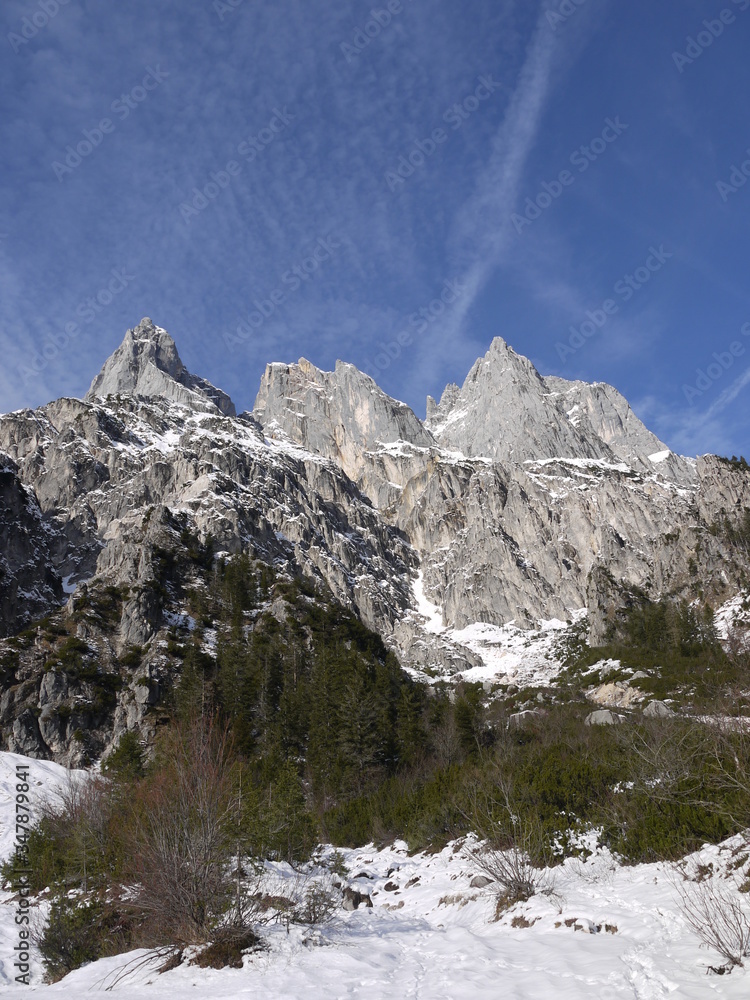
(147,364)
(508,412)
(608,414)
(340,414)
(504,411)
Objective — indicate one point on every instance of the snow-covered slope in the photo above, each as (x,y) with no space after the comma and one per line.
(46,781)
(505,654)
(603,932)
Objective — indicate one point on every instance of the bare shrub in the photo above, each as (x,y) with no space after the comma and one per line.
(318,902)
(714,910)
(513,875)
(311,897)
(182,837)
(514,842)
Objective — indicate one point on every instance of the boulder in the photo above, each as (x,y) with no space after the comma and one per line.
(480,882)
(354,899)
(657,710)
(603,717)
(617,694)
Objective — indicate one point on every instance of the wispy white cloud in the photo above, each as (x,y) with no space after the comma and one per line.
(695,430)
(729,395)
(325,173)
(483,229)
(482,233)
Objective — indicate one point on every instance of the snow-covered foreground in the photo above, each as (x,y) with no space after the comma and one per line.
(434,937)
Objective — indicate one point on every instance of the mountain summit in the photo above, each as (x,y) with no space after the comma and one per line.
(508,412)
(147,364)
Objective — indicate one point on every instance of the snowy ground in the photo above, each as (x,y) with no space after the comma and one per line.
(533,657)
(510,655)
(434,937)
(735,614)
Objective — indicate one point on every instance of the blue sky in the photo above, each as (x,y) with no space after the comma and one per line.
(271,181)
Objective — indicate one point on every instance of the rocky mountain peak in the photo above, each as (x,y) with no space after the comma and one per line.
(147,364)
(608,414)
(340,415)
(506,411)
(522,499)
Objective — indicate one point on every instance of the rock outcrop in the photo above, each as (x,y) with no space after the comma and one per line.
(341,415)
(506,411)
(29,585)
(147,364)
(525,497)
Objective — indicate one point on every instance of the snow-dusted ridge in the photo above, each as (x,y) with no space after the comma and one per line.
(515,498)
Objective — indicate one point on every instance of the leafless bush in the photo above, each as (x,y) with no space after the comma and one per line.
(714,910)
(311,897)
(515,879)
(514,843)
(318,902)
(183,838)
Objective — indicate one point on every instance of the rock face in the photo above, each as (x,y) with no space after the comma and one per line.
(525,497)
(107,475)
(506,411)
(29,585)
(520,498)
(341,415)
(608,414)
(147,364)
(107,471)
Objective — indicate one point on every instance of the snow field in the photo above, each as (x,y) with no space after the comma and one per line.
(431,936)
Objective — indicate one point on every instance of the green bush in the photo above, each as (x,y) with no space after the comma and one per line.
(79,931)
(128,761)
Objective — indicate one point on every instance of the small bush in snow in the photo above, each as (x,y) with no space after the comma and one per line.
(716,913)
